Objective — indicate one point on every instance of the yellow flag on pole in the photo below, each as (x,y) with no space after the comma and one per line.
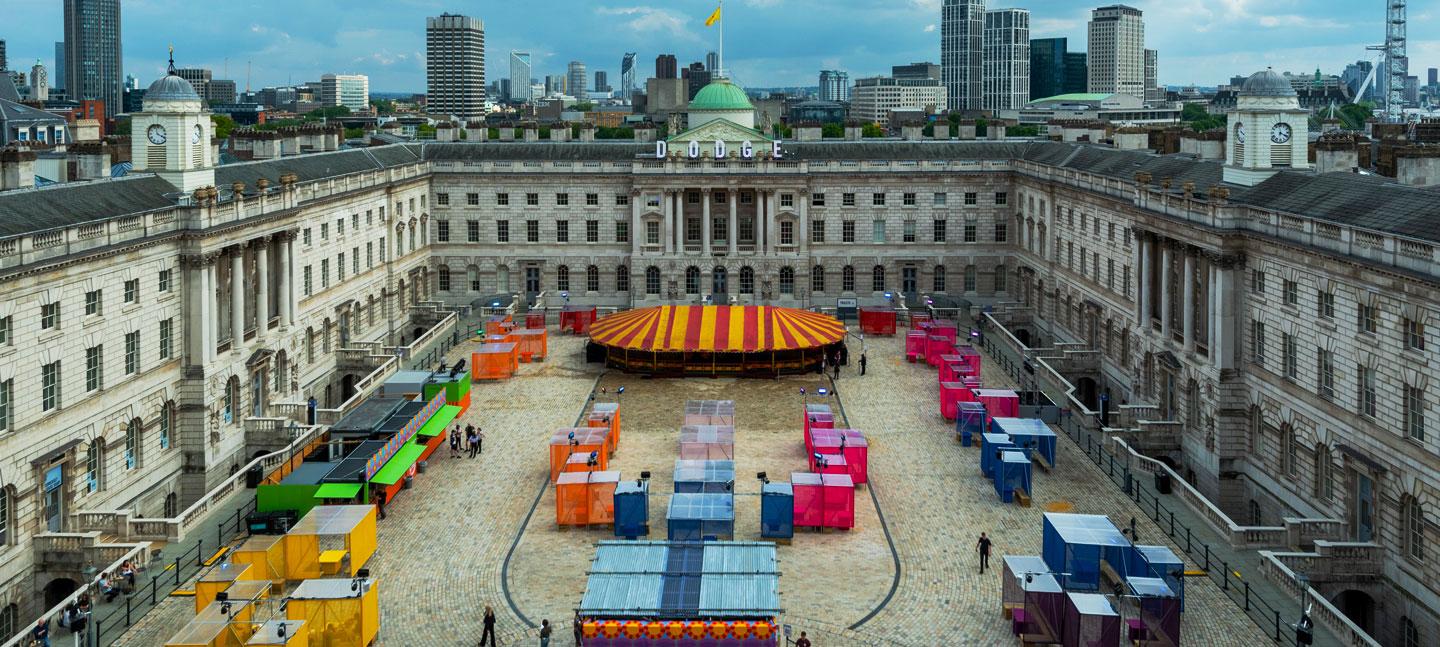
(714,18)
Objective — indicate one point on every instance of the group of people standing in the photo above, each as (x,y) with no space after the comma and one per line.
(474,441)
(835,361)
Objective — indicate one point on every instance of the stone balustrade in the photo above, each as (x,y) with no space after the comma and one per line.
(1280,569)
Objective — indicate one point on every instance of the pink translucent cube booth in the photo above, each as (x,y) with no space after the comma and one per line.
(917,321)
(809,499)
(999,403)
(948,364)
(970,356)
(914,345)
(816,416)
(823,463)
(839,494)
(946,329)
(850,443)
(935,346)
(951,395)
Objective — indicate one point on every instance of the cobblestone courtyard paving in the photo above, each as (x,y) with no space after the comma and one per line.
(443,549)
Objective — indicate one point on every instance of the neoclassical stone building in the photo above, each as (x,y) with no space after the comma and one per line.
(1268,326)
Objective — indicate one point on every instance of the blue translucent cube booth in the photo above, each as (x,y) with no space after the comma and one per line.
(990,447)
(632,509)
(1030,433)
(1013,473)
(777,511)
(1159,562)
(704,475)
(696,516)
(1075,544)
(969,421)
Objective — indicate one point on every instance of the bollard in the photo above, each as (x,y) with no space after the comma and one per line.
(1225,569)
(1247,596)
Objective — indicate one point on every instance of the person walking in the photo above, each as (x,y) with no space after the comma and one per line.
(489,621)
(983,547)
(472,440)
(579,631)
(544,633)
(480,440)
(837,365)
(455,442)
(379,499)
(803,641)
(862,362)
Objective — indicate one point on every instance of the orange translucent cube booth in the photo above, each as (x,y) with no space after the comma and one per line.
(531,344)
(580,462)
(584,498)
(497,326)
(576,440)
(606,415)
(495,361)
(535,319)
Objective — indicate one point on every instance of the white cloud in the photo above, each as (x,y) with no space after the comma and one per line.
(650,20)
(930,28)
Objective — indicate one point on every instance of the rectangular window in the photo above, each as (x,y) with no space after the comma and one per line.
(787,232)
(1110,274)
(1257,282)
(940,199)
(622,199)
(324,231)
(847,279)
(971,235)
(167,337)
(532,199)
(937,230)
(1257,342)
(817,199)
(306,236)
(472,231)
(908,199)
(309,284)
(6,324)
(592,199)
(164,282)
(132,353)
(1367,318)
(370,254)
(877,199)
(355,260)
(1414,412)
(1001,232)
(622,231)
(847,199)
(132,291)
(1414,334)
(817,231)
(747,198)
(562,199)
(442,199)
(340,267)
(94,368)
(1325,304)
(50,386)
(652,233)
(94,303)
(1325,373)
(1287,356)
(909,231)
(847,231)
(592,231)
(532,231)
(692,197)
(325,273)
(1365,396)
(877,231)
(972,198)
(501,199)
(502,231)
(1001,197)
(7,395)
(50,315)
(442,231)
(787,199)
(1291,291)
(562,231)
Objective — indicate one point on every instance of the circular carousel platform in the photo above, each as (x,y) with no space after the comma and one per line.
(760,341)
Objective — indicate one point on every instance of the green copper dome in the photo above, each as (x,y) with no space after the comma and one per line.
(721,95)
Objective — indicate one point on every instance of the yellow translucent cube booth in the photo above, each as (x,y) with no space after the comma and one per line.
(342,612)
(219,624)
(264,555)
(348,528)
(289,633)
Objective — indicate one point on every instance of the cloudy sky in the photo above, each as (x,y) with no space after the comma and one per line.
(768,42)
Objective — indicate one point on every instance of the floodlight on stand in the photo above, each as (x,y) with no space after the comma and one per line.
(730,485)
(822,391)
(280,630)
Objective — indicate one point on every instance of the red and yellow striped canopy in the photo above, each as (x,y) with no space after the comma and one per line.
(736,329)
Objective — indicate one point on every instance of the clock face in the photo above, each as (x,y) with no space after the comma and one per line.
(196,134)
(156,134)
(1240,133)
(1280,134)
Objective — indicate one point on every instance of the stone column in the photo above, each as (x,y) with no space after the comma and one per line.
(734,233)
(212,317)
(1225,318)
(287,280)
(1187,292)
(637,232)
(262,287)
(669,223)
(198,346)
(705,223)
(772,239)
(1212,308)
(1136,268)
(1142,275)
(1166,258)
(237,298)
(804,232)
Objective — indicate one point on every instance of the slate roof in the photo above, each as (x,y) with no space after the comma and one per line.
(64,205)
(1350,199)
(12,111)
(316,166)
(611,151)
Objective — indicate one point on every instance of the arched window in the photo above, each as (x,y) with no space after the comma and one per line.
(747,280)
(787,280)
(167,420)
(133,432)
(969,278)
(444,276)
(1252,439)
(1323,488)
(310,345)
(6,629)
(939,279)
(592,279)
(1255,516)
(412,237)
(847,279)
(1287,449)
(1409,634)
(692,280)
(622,278)
(1001,278)
(652,280)
(9,619)
(94,460)
(1192,404)
(472,278)
(1412,524)
(282,365)
(562,278)
(228,403)
(817,279)
(877,279)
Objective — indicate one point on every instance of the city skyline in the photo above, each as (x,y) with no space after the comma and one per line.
(1198,44)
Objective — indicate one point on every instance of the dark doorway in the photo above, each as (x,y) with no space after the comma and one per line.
(1359,607)
(908,283)
(347,387)
(1023,336)
(1088,392)
(58,589)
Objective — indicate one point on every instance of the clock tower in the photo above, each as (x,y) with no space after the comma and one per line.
(1268,132)
(170,136)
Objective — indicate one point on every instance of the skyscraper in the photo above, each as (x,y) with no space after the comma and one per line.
(1006,73)
(59,79)
(834,85)
(602,82)
(962,25)
(520,76)
(1153,91)
(627,76)
(3,63)
(1050,70)
(712,63)
(1433,78)
(349,90)
(575,80)
(916,71)
(666,67)
(93,66)
(1117,51)
(696,77)
(455,66)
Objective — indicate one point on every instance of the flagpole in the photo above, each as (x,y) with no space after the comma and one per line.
(721,65)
